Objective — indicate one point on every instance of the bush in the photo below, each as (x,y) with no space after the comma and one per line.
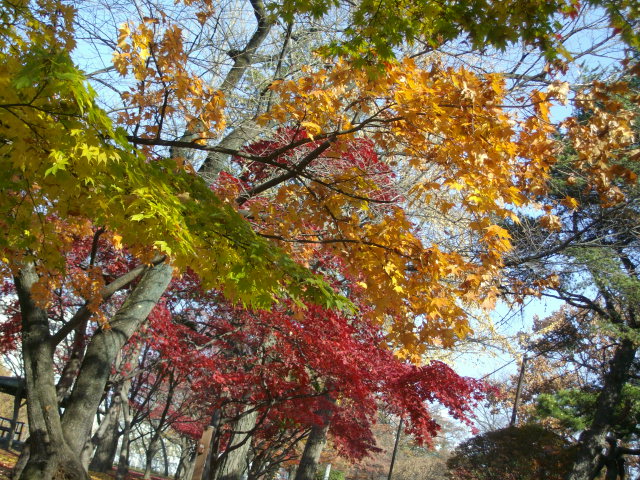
(529,452)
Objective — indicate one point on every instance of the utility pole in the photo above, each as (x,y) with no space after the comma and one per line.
(395,448)
(514,413)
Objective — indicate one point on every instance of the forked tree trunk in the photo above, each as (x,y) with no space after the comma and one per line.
(57,444)
(593,440)
(49,452)
(103,349)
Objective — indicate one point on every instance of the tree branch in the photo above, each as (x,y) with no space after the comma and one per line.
(84,313)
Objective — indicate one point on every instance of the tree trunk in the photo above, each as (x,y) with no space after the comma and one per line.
(152,450)
(123,461)
(105,440)
(313,448)
(165,458)
(234,462)
(188,470)
(17,399)
(593,440)
(71,368)
(102,351)
(185,464)
(156,440)
(57,444)
(49,453)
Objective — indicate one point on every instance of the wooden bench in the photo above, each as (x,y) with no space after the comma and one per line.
(5,428)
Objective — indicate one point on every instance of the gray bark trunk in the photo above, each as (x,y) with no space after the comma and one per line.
(217,162)
(102,351)
(123,461)
(313,448)
(593,440)
(165,458)
(74,363)
(234,463)
(185,465)
(49,453)
(105,440)
(152,450)
(57,444)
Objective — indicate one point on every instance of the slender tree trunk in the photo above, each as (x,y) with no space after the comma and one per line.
(156,441)
(186,460)
(234,462)
(49,453)
(395,448)
(593,440)
(165,457)
(313,448)
(17,399)
(123,461)
(72,367)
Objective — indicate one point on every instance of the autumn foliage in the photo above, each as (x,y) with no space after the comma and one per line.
(291,249)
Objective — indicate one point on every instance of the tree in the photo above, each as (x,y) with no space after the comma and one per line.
(523,453)
(68,174)
(589,237)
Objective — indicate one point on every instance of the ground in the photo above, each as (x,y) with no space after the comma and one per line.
(8,459)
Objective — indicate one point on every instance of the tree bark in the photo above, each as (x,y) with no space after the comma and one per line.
(56,444)
(152,450)
(123,461)
(155,441)
(49,453)
(72,366)
(165,458)
(234,461)
(185,465)
(593,440)
(102,351)
(17,399)
(105,439)
(313,448)
(217,162)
